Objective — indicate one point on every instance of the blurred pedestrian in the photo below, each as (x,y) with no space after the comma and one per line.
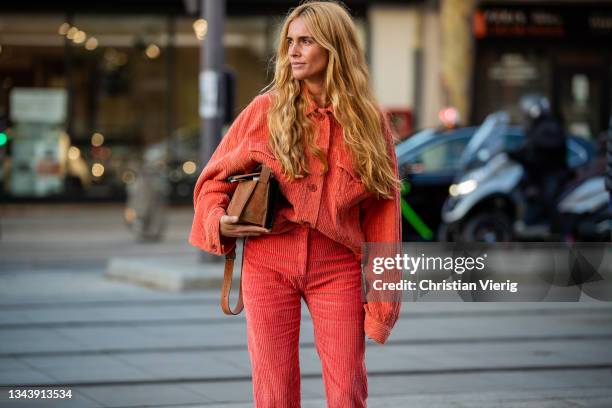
(320,130)
(543,156)
(145,211)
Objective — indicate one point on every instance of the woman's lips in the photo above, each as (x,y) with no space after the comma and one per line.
(297,65)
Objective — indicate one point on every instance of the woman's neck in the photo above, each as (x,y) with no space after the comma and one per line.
(317,92)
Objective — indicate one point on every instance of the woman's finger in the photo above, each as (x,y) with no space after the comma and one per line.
(229,228)
(245,228)
(253,228)
(242,234)
(228,219)
(248,231)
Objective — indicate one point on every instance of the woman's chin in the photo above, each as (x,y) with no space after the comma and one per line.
(299,74)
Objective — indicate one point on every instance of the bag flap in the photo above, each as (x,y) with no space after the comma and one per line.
(241,196)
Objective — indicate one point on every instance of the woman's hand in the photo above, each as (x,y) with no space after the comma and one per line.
(229,228)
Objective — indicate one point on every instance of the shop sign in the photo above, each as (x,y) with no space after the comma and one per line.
(543,21)
(503,22)
(513,69)
(601,24)
(38,105)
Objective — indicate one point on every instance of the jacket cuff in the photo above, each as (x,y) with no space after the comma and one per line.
(207,235)
(377,331)
(219,244)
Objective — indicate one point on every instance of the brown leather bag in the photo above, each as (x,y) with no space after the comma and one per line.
(253,202)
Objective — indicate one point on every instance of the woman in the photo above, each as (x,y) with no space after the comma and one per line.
(320,131)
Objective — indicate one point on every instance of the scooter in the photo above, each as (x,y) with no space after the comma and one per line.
(487,200)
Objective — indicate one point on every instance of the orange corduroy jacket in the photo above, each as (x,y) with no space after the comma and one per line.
(337,203)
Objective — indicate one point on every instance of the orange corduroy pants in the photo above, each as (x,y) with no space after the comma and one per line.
(280,269)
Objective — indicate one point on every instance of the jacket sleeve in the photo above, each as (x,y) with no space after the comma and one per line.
(381,223)
(212,191)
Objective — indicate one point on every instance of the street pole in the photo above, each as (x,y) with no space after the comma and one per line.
(211,86)
(69,76)
(170,92)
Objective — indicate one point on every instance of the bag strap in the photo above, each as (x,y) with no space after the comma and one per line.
(265,175)
(227,282)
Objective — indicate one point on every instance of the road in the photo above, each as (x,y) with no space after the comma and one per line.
(63,324)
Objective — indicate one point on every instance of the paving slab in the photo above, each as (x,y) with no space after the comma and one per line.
(24,376)
(24,340)
(144,395)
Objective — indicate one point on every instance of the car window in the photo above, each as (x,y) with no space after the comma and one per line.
(442,156)
(419,138)
(513,140)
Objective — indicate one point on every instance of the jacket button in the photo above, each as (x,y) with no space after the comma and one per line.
(312,188)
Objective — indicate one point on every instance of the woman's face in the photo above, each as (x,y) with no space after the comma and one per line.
(308,59)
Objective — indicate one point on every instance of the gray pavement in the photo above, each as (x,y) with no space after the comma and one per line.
(65,325)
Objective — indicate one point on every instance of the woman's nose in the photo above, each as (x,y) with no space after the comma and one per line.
(294,49)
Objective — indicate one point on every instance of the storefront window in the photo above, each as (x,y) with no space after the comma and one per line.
(130,85)
(503,77)
(580,92)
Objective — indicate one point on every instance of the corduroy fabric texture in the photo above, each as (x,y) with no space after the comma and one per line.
(328,277)
(336,203)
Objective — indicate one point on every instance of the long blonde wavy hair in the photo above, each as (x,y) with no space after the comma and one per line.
(347,87)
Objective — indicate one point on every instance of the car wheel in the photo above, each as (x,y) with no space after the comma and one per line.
(487,227)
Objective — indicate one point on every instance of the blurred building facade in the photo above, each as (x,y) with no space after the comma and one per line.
(128,75)
(482,56)
(561,50)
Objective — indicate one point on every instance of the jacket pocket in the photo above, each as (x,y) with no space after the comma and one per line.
(351,190)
